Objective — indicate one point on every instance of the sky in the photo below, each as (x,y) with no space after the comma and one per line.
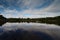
(29,8)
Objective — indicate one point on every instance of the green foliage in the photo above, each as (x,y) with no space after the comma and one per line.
(2,20)
(50,20)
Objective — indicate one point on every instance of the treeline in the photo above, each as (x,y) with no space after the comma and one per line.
(2,20)
(22,20)
(50,20)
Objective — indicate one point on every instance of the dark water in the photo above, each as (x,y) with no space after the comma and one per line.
(29,31)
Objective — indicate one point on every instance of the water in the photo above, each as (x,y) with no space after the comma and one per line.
(29,26)
(49,29)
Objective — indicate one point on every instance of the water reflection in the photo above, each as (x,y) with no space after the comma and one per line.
(29,31)
(29,26)
(24,35)
(2,23)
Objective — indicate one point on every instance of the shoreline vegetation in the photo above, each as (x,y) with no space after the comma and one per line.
(48,20)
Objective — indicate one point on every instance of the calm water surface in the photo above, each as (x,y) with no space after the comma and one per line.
(29,26)
(50,29)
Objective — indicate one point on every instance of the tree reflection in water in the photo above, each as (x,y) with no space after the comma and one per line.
(2,23)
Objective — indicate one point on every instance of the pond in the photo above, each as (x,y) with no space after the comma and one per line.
(52,30)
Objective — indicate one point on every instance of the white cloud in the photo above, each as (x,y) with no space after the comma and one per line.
(28,14)
(49,11)
(55,7)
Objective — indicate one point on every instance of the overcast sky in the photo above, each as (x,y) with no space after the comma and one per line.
(30,8)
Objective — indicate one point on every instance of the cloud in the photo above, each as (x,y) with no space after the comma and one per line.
(55,7)
(26,4)
(27,14)
(30,8)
